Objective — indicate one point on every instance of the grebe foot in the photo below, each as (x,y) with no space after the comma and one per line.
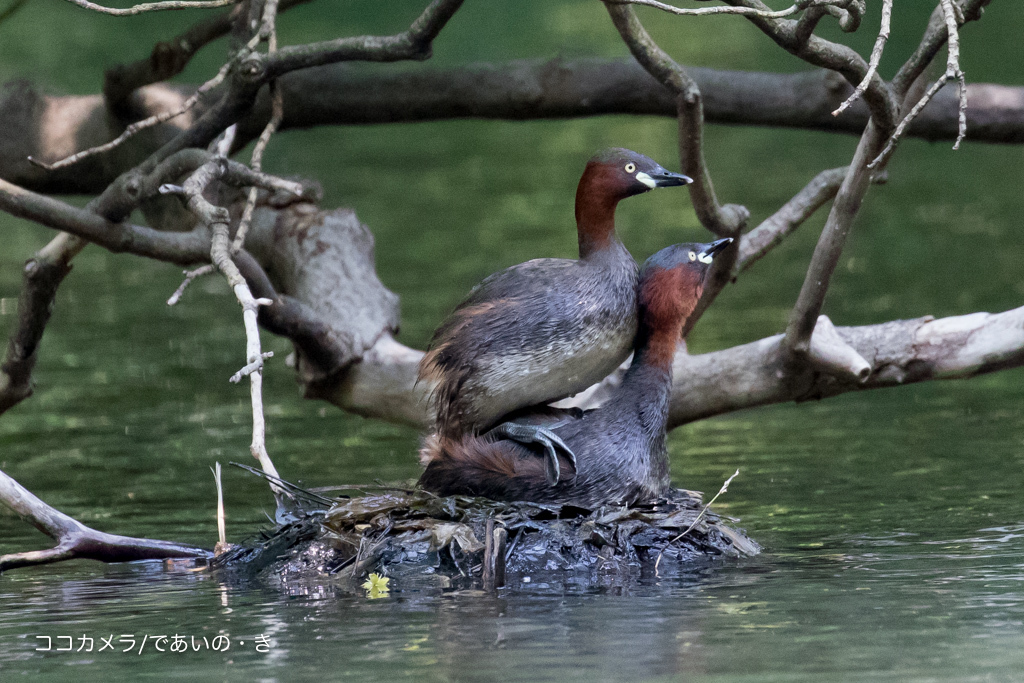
(528,434)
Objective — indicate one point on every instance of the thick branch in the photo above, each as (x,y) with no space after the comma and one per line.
(42,276)
(900,352)
(50,128)
(183,248)
(831,242)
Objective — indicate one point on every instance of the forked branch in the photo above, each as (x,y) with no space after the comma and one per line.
(74,539)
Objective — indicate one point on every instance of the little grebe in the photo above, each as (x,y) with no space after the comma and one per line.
(548,328)
(620,446)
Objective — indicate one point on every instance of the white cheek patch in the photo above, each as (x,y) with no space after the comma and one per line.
(704,258)
(646,180)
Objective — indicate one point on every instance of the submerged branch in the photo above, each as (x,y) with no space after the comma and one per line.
(74,539)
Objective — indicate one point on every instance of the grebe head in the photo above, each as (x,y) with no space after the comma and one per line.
(672,281)
(621,173)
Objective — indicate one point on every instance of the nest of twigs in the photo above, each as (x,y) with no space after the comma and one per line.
(466,541)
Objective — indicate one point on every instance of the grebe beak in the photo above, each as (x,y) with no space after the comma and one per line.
(708,255)
(662,178)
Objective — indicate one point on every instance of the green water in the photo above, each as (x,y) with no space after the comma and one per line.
(892,521)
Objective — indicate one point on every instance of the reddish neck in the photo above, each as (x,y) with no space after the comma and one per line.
(666,304)
(596,198)
(656,347)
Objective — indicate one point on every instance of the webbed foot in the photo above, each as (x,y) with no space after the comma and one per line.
(528,434)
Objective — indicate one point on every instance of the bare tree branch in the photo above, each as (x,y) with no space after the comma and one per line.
(831,354)
(138,126)
(826,54)
(217,220)
(744,11)
(42,276)
(833,237)
(412,44)
(153,6)
(75,540)
(830,245)
(875,59)
(900,352)
(183,248)
(42,126)
(934,39)
(268,29)
(793,213)
(720,220)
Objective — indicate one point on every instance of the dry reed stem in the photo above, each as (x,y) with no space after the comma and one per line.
(725,487)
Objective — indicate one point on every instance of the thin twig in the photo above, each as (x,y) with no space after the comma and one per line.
(743,11)
(152,6)
(252,367)
(309,494)
(725,487)
(134,128)
(190,275)
(155,120)
(894,139)
(876,58)
(953,17)
(268,29)
(216,218)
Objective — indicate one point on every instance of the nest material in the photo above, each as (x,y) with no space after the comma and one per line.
(415,532)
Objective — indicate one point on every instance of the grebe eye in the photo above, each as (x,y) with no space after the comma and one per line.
(693,256)
(630,167)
